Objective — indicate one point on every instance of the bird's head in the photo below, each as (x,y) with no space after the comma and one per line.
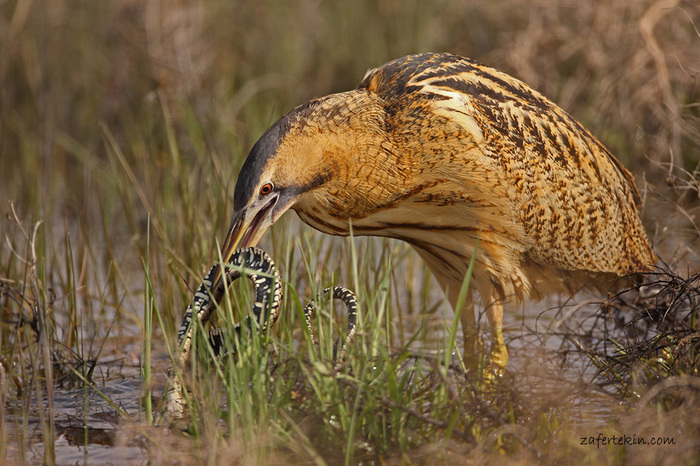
(304,159)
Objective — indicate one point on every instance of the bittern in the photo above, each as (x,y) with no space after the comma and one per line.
(441,152)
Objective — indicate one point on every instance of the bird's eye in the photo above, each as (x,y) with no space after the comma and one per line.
(266,188)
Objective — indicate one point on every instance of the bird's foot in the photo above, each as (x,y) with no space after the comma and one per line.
(488,365)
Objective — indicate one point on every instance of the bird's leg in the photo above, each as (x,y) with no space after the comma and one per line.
(475,357)
(498,356)
(494,363)
(473,353)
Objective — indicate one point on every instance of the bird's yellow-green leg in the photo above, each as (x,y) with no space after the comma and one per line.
(494,362)
(473,353)
(498,357)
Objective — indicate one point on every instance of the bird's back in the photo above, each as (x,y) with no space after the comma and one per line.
(553,190)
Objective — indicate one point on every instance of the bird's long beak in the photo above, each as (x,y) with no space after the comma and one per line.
(247,226)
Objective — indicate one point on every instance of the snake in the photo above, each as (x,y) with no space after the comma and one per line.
(350,300)
(260,269)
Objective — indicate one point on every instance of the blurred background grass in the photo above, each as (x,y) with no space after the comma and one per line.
(124,119)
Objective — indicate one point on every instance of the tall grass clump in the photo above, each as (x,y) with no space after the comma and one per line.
(379,400)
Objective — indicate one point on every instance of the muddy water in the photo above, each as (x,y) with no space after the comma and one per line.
(85,424)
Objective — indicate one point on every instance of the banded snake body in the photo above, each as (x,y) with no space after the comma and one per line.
(259,268)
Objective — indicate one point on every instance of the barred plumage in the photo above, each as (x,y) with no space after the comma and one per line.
(439,151)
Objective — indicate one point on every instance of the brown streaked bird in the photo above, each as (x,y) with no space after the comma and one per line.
(439,151)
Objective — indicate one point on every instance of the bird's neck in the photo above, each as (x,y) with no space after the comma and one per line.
(366,173)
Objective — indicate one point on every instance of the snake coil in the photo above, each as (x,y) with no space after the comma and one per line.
(350,301)
(259,267)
